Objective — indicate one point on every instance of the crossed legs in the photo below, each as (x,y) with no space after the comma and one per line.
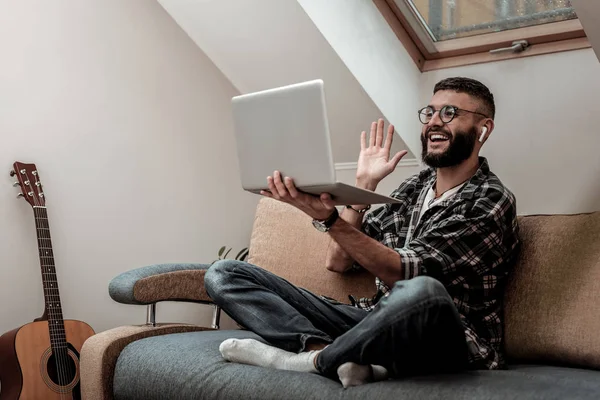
(416,329)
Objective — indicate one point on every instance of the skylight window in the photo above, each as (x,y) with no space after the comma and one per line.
(444,33)
(451,19)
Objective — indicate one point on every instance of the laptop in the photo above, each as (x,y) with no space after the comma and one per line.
(286,129)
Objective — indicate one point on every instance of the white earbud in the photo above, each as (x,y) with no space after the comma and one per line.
(483,133)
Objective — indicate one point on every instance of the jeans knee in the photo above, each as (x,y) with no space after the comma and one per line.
(420,289)
(218,274)
(428,286)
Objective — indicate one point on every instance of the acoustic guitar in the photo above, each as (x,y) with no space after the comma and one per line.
(40,360)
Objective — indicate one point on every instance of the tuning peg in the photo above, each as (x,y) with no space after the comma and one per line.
(16,184)
(12,172)
(20,195)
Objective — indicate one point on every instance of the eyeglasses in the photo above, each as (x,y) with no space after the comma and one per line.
(447,113)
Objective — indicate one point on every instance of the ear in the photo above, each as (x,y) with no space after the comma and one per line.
(486,130)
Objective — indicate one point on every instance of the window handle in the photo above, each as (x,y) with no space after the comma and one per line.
(517,47)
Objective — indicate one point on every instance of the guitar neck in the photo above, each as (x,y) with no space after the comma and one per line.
(49,280)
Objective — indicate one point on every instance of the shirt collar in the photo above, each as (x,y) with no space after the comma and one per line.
(477,180)
(472,185)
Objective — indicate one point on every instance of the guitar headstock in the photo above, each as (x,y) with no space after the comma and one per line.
(28,179)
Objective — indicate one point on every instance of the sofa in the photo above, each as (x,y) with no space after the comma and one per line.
(552,324)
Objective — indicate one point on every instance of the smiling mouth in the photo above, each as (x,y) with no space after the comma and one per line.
(438,137)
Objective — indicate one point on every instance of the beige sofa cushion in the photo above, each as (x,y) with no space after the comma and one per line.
(553,298)
(285,242)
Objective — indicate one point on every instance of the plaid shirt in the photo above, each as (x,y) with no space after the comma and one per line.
(468,242)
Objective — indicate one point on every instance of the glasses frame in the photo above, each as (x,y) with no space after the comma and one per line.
(456,109)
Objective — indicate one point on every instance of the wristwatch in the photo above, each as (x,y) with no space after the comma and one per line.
(325,225)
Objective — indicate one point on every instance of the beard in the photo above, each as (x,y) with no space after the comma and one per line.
(460,148)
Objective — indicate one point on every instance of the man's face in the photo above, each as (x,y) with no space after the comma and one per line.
(449,144)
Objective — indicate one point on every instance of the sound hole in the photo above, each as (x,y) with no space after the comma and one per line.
(61,368)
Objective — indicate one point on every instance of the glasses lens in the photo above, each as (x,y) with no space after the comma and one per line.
(425,115)
(447,114)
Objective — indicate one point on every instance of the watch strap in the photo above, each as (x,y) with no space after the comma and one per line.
(362,210)
(332,218)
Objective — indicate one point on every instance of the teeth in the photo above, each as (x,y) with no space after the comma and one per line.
(437,137)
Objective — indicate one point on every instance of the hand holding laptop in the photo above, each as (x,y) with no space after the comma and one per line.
(286,129)
(284,189)
(374,164)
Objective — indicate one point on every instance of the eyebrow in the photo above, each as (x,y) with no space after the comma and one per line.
(452,105)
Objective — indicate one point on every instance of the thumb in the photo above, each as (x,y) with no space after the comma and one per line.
(327,201)
(397,157)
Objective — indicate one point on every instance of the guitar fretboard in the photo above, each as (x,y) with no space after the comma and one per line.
(49,281)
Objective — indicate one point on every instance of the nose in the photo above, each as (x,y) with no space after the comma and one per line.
(435,120)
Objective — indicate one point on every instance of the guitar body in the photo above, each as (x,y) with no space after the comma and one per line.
(27,367)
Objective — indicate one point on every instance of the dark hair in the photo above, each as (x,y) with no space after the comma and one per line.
(473,88)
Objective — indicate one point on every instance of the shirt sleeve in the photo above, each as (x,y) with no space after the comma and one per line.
(372,224)
(474,240)
(372,227)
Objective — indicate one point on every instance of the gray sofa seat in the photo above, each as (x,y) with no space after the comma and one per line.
(189,366)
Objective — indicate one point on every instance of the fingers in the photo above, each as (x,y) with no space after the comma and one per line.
(279,186)
(327,201)
(379,137)
(285,190)
(272,188)
(276,187)
(363,140)
(373,134)
(397,157)
(279,189)
(389,138)
(289,184)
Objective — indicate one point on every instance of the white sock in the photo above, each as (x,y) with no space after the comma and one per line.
(253,352)
(352,374)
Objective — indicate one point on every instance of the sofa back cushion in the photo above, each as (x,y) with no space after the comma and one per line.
(553,297)
(552,300)
(285,242)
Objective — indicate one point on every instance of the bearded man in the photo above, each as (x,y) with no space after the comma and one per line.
(441,257)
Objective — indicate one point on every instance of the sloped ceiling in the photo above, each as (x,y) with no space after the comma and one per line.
(261,44)
(362,38)
(588,12)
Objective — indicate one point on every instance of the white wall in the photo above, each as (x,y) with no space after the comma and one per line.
(129,124)
(546,141)
(261,44)
(365,42)
(545,145)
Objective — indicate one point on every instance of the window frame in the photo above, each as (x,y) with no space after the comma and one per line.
(429,55)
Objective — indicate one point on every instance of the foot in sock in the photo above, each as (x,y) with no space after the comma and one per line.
(352,374)
(253,352)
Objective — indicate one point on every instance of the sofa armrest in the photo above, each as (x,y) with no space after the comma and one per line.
(100,352)
(160,282)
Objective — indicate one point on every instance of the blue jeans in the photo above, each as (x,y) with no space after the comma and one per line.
(414,330)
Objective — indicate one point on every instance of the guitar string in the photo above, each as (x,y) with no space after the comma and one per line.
(53,314)
(51,300)
(60,332)
(58,356)
(62,354)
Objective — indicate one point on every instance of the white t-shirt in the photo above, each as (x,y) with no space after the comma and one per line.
(430,199)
